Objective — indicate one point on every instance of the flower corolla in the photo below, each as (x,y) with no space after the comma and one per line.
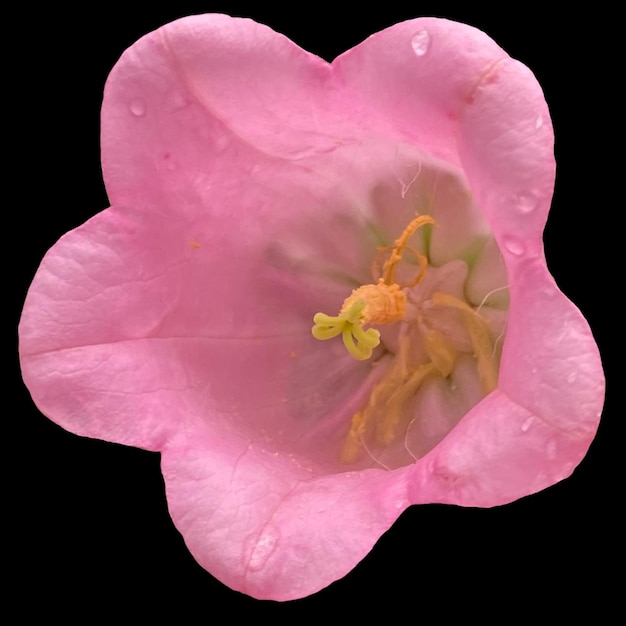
(319,292)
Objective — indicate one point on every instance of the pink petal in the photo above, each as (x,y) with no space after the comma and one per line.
(119,340)
(267,526)
(499,451)
(170,128)
(416,78)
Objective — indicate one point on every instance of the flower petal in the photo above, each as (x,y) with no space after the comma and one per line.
(506,145)
(550,362)
(499,452)
(119,340)
(265,525)
(203,86)
(415,79)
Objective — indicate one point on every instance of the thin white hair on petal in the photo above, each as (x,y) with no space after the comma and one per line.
(406,186)
(484,300)
(369,453)
(406,439)
(498,338)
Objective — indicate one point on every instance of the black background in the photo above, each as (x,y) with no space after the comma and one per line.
(92,533)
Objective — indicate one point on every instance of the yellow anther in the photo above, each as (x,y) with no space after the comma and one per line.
(479,336)
(440,351)
(391,415)
(352,446)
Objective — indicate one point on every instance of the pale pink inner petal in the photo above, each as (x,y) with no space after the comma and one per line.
(440,405)
(487,282)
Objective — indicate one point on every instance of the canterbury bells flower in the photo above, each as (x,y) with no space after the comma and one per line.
(320,292)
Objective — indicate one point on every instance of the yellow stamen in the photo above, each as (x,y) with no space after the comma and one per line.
(421,259)
(352,446)
(440,351)
(392,413)
(480,338)
(386,406)
(400,244)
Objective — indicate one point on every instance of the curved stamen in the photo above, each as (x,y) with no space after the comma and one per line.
(479,336)
(390,266)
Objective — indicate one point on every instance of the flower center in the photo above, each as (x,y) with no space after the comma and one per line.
(424,352)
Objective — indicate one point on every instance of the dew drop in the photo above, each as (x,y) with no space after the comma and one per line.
(221,143)
(571,377)
(527,423)
(538,123)
(168,162)
(420,42)
(265,545)
(137,108)
(514,246)
(551,450)
(526,204)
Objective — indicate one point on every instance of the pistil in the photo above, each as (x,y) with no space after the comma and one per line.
(381,303)
(385,302)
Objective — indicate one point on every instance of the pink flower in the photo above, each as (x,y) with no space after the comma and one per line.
(253,186)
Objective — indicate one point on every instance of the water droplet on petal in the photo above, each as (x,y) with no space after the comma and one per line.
(551,450)
(514,246)
(137,108)
(538,123)
(420,42)
(169,163)
(527,423)
(221,143)
(571,377)
(526,203)
(265,545)
(548,292)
